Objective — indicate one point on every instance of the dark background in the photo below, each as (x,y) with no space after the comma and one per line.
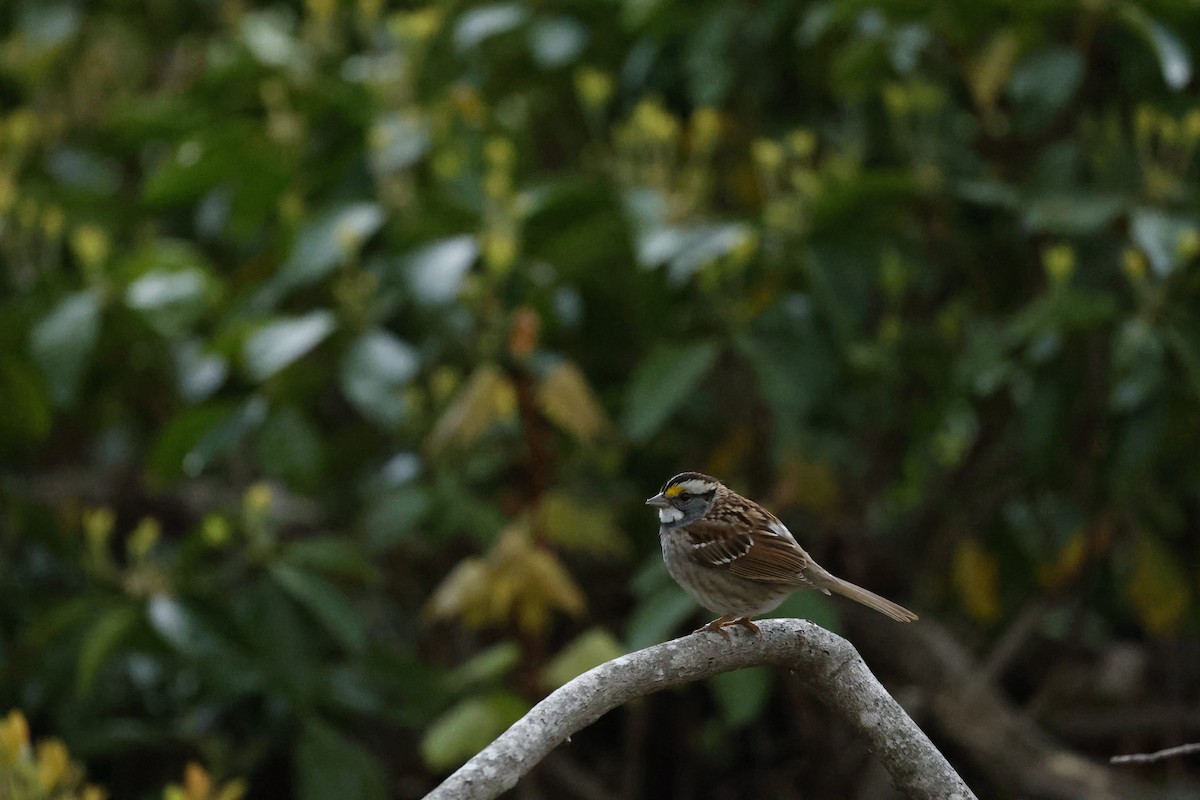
(341,342)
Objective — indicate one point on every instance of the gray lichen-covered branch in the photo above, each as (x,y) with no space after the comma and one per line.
(825,663)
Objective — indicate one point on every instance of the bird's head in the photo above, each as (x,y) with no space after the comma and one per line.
(685,498)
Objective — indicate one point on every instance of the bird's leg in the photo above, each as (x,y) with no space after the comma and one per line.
(745,622)
(717,626)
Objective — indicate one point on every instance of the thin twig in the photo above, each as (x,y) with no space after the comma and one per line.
(1147,758)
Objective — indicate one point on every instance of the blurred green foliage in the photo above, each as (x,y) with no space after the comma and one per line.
(341,342)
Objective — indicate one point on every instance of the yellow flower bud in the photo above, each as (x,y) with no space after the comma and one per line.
(706,128)
(767,154)
(1133,264)
(54,763)
(593,87)
(1059,262)
(14,737)
(143,538)
(90,245)
(258,498)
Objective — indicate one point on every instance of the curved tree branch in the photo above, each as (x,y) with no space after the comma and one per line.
(827,664)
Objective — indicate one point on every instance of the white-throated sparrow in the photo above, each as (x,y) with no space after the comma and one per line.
(736,559)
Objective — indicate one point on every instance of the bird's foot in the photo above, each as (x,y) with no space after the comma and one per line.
(720,624)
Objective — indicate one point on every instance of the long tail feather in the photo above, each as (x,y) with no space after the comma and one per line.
(870,599)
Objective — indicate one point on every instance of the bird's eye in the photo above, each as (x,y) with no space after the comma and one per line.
(685,496)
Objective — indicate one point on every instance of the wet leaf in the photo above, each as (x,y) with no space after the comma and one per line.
(329,240)
(283,341)
(398,141)
(1070,213)
(1159,236)
(482,23)
(1174,59)
(556,41)
(62,343)
(198,373)
(436,272)
(374,371)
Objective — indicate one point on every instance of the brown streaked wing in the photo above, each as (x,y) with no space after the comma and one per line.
(755,555)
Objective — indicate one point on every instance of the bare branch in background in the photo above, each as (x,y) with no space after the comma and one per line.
(1146,758)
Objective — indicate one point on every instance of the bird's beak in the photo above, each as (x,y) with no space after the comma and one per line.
(658,501)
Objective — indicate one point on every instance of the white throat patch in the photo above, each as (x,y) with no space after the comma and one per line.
(669,515)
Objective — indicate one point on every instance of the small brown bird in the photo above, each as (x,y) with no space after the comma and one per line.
(736,559)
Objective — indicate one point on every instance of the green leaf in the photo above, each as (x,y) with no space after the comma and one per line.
(794,367)
(685,250)
(557,41)
(26,416)
(591,648)
(328,241)
(105,634)
(170,301)
(1072,213)
(741,694)
(1160,235)
(62,343)
(374,371)
(224,436)
(1137,365)
(177,438)
(331,608)
(469,727)
(1174,59)
(480,24)
(190,441)
(290,448)
(198,372)
(398,141)
(283,341)
(329,765)
(331,555)
(1043,82)
(658,617)
(394,515)
(435,272)
(664,380)
(487,666)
